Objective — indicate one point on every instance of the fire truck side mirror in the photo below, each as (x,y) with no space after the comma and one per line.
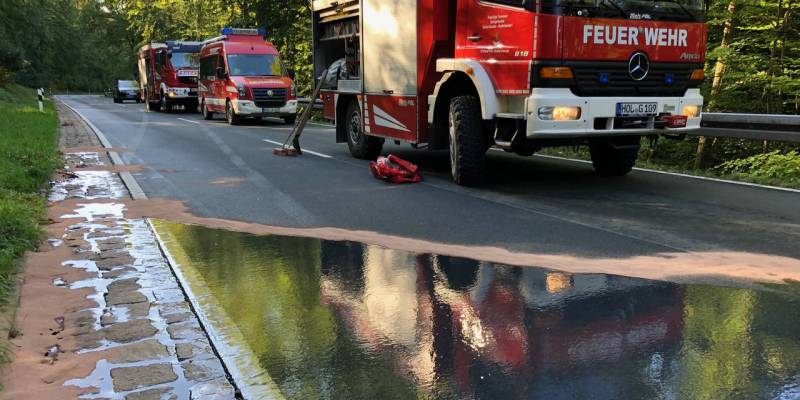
(221,73)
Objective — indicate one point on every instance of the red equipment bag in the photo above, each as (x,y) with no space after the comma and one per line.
(395,169)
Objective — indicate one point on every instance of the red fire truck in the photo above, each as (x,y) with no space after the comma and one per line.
(519,75)
(168,75)
(243,76)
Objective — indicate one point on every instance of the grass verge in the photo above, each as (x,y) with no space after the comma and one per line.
(28,157)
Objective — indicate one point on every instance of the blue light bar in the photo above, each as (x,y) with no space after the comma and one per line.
(244,31)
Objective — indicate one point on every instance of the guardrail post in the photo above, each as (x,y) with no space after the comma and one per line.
(40,96)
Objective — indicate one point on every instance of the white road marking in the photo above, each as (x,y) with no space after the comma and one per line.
(189,120)
(702,178)
(322,125)
(304,150)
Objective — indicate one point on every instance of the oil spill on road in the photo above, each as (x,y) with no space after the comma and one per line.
(313,318)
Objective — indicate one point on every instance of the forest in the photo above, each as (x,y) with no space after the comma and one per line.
(753,61)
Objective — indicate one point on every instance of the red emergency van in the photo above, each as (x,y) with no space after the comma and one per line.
(243,76)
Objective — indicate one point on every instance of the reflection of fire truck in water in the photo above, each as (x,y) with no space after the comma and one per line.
(492,331)
(517,75)
(168,75)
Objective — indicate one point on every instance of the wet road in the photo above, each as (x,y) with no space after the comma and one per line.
(308,318)
(534,205)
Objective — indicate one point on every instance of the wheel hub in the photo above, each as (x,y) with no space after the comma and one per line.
(355,127)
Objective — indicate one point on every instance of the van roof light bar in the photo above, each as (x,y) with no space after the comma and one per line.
(244,31)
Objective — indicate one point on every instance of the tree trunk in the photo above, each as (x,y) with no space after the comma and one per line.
(719,71)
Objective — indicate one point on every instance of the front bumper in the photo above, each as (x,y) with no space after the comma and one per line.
(598,114)
(248,108)
(180,95)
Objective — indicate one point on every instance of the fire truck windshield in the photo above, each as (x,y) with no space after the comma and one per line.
(658,10)
(255,65)
(185,60)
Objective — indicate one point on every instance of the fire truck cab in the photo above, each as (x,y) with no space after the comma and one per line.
(168,75)
(243,76)
(519,75)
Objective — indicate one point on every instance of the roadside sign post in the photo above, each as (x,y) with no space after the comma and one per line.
(40,95)
(294,137)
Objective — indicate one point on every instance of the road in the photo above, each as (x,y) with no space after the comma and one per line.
(537,205)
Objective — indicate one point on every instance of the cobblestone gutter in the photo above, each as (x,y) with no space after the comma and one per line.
(130,320)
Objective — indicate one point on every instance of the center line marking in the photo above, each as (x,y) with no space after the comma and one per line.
(188,120)
(304,150)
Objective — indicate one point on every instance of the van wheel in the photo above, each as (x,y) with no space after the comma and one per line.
(467,141)
(207,114)
(230,115)
(361,145)
(614,158)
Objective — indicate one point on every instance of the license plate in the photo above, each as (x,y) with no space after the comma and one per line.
(270,110)
(636,109)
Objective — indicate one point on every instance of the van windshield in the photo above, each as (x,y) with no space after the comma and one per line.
(185,60)
(255,65)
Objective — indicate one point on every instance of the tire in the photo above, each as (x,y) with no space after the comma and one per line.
(230,115)
(208,115)
(290,120)
(467,141)
(361,146)
(164,105)
(611,159)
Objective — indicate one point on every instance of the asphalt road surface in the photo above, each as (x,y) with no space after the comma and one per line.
(536,204)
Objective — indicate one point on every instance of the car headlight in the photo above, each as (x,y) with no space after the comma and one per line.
(691,111)
(242,91)
(294,90)
(559,113)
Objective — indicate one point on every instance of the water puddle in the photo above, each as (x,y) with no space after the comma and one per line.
(306,318)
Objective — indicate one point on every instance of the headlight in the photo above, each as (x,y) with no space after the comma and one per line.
(559,113)
(692,111)
(294,90)
(242,91)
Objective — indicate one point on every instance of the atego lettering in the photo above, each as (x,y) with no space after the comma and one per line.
(630,36)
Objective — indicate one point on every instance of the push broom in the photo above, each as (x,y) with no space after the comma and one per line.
(294,138)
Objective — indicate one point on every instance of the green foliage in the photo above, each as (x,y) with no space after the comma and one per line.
(774,166)
(28,156)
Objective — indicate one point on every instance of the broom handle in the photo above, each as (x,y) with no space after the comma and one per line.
(301,124)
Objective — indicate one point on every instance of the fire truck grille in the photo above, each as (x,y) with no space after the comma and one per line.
(187,80)
(613,79)
(263,99)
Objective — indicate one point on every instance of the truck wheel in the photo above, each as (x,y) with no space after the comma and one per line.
(361,145)
(149,104)
(207,114)
(467,141)
(230,115)
(164,105)
(612,159)
(290,120)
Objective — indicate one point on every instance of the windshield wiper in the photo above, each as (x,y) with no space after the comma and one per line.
(684,9)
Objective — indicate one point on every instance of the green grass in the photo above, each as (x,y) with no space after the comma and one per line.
(28,157)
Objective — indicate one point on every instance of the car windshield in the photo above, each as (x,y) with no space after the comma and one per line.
(255,65)
(127,85)
(185,60)
(659,10)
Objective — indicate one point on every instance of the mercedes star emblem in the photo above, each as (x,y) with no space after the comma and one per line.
(638,66)
(270,93)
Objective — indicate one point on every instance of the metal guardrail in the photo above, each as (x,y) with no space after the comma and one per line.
(305,100)
(782,128)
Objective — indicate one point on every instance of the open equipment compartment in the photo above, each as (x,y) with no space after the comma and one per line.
(337,41)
